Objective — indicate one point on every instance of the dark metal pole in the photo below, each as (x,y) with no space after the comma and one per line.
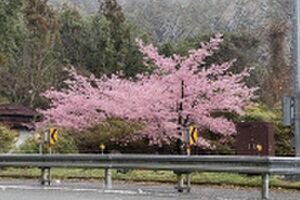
(180,128)
(296,63)
(184,123)
(183,142)
(180,142)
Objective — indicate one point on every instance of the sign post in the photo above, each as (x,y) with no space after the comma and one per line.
(184,142)
(45,171)
(49,139)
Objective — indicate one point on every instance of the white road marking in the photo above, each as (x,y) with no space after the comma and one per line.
(111,191)
(221,198)
(131,192)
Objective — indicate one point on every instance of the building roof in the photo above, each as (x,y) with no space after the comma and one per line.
(17,116)
(13,109)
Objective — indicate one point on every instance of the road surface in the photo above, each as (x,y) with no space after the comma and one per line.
(80,190)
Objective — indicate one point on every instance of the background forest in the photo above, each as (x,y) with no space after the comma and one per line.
(39,38)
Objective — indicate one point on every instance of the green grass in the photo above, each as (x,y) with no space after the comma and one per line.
(153,176)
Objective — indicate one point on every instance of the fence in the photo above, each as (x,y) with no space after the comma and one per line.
(264,166)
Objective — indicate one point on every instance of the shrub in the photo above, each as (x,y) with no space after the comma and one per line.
(65,144)
(109,133)
(7,139)
(29,146)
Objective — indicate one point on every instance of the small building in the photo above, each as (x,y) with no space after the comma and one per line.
(20,119)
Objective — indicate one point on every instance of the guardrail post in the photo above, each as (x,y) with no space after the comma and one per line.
(265,186)
(188,182)
(180,183)
(45,176)
(183,181)
(108,178)
(43,149)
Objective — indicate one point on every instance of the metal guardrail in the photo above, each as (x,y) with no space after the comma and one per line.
(265,166)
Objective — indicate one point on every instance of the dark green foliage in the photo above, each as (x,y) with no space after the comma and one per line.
(65,144)
(116,44)
(9,28)
(9,14)
(7,139)
(236,45)
(102,56)
(221,145)
(72,34)
(102,43)
(37,42)
(89,141)
(32,67)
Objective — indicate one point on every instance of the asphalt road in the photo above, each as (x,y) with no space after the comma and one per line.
(78,190)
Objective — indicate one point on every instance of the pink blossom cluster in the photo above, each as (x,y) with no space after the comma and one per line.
(153,99)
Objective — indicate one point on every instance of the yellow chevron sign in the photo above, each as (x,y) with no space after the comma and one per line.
(193,135)
(53,136)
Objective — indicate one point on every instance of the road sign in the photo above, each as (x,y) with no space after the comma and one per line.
(193,135)
(102,148)
(53,136)
(288,105)
(259,148)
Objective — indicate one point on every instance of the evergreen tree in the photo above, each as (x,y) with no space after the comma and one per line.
(103,43)
(72,32)
(9,19)
(112,50)
(32,67)
(277,81)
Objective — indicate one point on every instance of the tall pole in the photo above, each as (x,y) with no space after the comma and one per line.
(180,127)
(184,140)
(296,65)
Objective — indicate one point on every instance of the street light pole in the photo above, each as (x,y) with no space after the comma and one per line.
(296,65)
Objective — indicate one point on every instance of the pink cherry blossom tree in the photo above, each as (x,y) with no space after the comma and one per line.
(153,99)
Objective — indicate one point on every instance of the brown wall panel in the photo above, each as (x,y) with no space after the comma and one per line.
(255,138)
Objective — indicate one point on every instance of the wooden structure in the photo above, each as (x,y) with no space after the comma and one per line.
(18,117)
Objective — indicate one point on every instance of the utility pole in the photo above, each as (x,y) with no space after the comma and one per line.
(180,141)
(183,145)
(296,66)
(183,123)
